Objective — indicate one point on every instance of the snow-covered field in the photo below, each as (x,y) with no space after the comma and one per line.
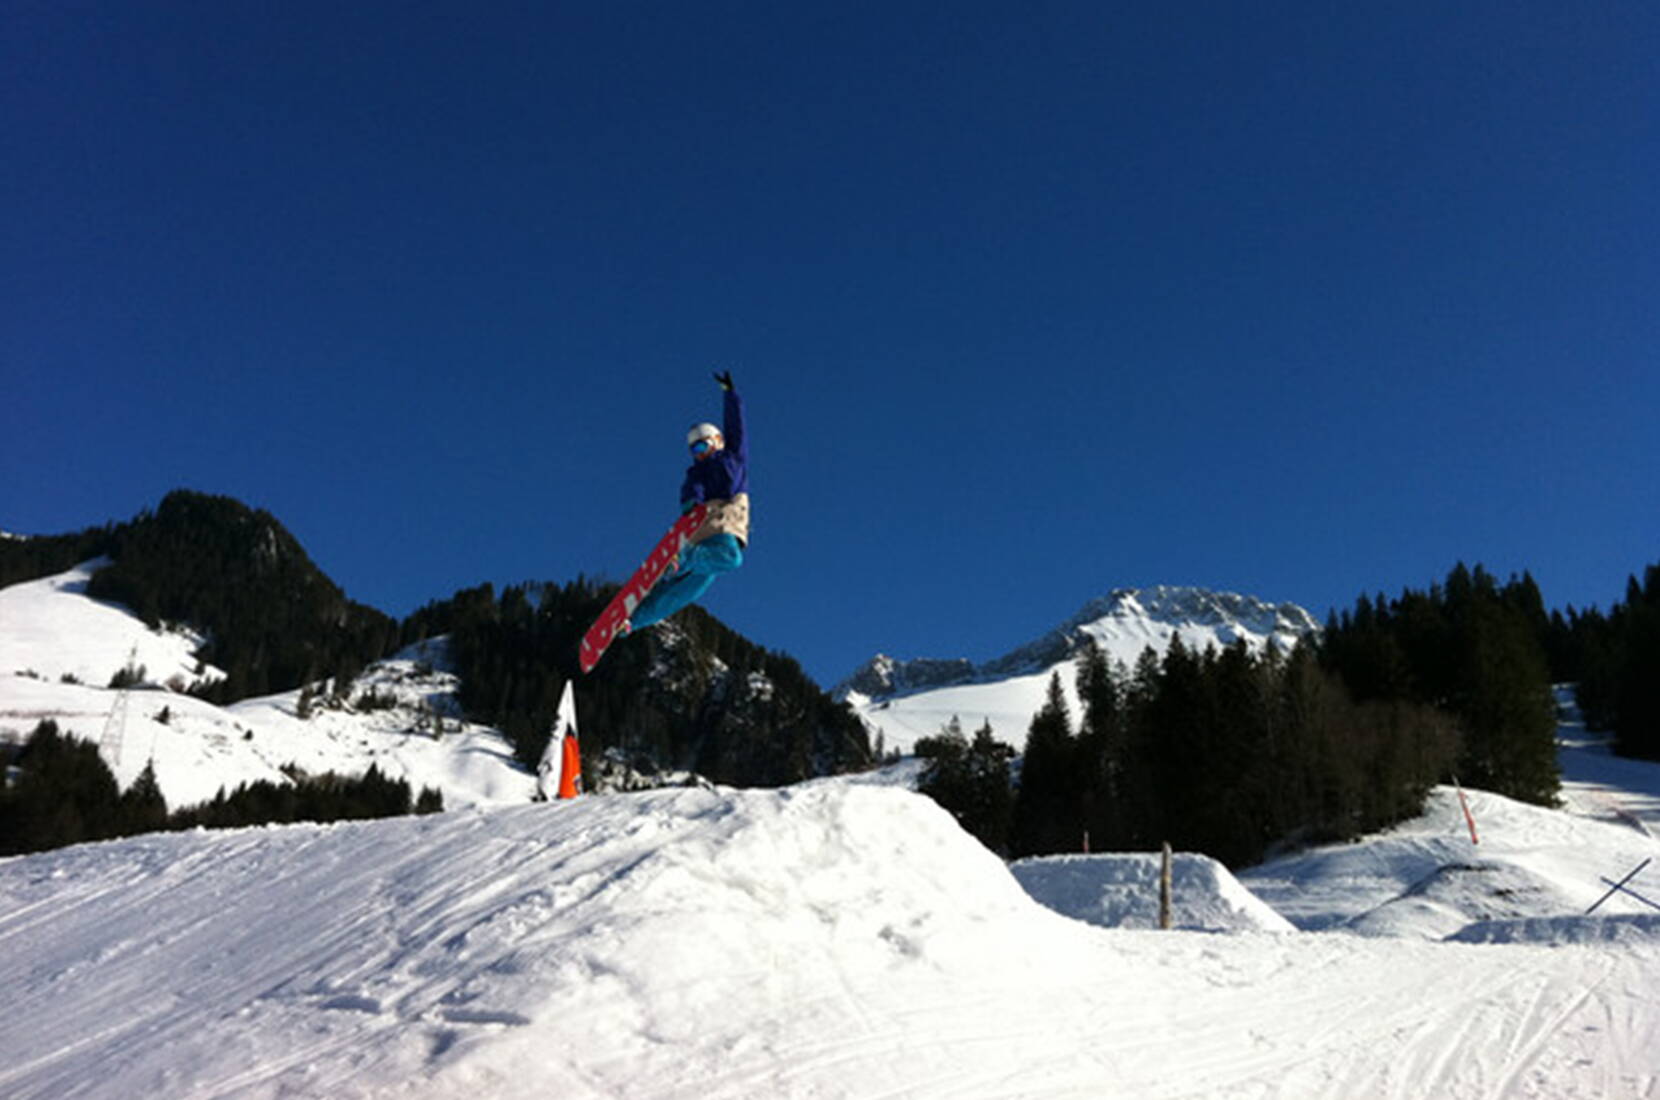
(50,629)
(834,939)
(842,938)
(53,629)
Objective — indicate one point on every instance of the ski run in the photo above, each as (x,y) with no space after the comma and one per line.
(840,938)
(833,939)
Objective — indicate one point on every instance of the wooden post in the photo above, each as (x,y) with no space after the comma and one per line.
(1164,888)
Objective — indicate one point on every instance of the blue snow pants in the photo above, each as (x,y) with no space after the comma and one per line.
(699,566)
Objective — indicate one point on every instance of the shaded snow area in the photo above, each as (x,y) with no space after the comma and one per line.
(412,731)
(1531,877)
(1122,891)
(833,940)
(1426,879)
(1595,782)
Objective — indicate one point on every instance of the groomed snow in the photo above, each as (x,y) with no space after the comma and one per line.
(837,940)
(842,938)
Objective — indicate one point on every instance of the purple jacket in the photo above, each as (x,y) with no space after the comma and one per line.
(725,475)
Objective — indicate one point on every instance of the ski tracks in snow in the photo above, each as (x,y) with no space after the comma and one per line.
(698,945)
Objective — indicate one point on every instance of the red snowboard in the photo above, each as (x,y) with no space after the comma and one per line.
(622,605)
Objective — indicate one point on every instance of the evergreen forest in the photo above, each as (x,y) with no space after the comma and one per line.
(1236,754)
(64,794)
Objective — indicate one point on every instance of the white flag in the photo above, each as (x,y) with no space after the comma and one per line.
(550,771)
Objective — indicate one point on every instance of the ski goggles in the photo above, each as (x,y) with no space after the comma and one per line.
(703,446)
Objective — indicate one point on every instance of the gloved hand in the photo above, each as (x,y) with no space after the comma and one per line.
(725,379)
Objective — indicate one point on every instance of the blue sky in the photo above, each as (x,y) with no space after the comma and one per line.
(1028,301)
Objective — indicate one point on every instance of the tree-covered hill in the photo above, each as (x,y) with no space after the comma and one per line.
(690,695)
(272,619)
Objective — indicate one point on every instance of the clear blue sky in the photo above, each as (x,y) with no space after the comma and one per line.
(1028,301)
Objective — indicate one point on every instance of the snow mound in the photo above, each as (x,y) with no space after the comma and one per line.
(1458,894)
(299,960)
(1425,878)
(1122,891)
(1564,931)
(829,940)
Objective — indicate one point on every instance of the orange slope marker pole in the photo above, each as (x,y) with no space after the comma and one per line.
(1469,818)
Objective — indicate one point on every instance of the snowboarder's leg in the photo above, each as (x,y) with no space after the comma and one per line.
(699,566)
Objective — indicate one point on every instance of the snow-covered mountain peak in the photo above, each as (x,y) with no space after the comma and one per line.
(1123,623)
(904,700)
(1232,617)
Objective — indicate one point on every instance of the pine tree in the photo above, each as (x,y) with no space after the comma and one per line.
(1637,694)
(1048,810)
(64,794)
(143,809)
(970,780)
(1101,749)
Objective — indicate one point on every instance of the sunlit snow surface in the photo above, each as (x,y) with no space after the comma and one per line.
(59,649)
(836,939)
(843,938)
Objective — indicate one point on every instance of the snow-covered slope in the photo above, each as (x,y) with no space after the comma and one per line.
(908,700)
(50,629)
(1425,878)
(833,940)
(1532,872)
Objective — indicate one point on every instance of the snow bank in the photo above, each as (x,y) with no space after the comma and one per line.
(1558,931)
(661,927)
(1458,894)
(1122,891)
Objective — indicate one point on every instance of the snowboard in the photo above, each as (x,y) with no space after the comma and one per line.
(622,605)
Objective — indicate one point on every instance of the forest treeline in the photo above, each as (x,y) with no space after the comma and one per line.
(1614,658)
(691,696)
(1233,753)
(1228,752)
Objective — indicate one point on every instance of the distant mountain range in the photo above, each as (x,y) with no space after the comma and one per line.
(903,700)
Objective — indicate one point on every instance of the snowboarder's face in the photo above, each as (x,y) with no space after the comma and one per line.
(705,447)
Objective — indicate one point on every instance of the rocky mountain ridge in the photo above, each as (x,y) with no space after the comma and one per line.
(1123,622)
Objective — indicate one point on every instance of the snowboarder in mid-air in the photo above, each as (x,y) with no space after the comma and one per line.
(718,478)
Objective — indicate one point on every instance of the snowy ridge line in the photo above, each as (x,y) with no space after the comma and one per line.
(902,702)
(1123,623)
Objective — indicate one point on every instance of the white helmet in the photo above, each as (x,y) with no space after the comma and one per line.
(701,432)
